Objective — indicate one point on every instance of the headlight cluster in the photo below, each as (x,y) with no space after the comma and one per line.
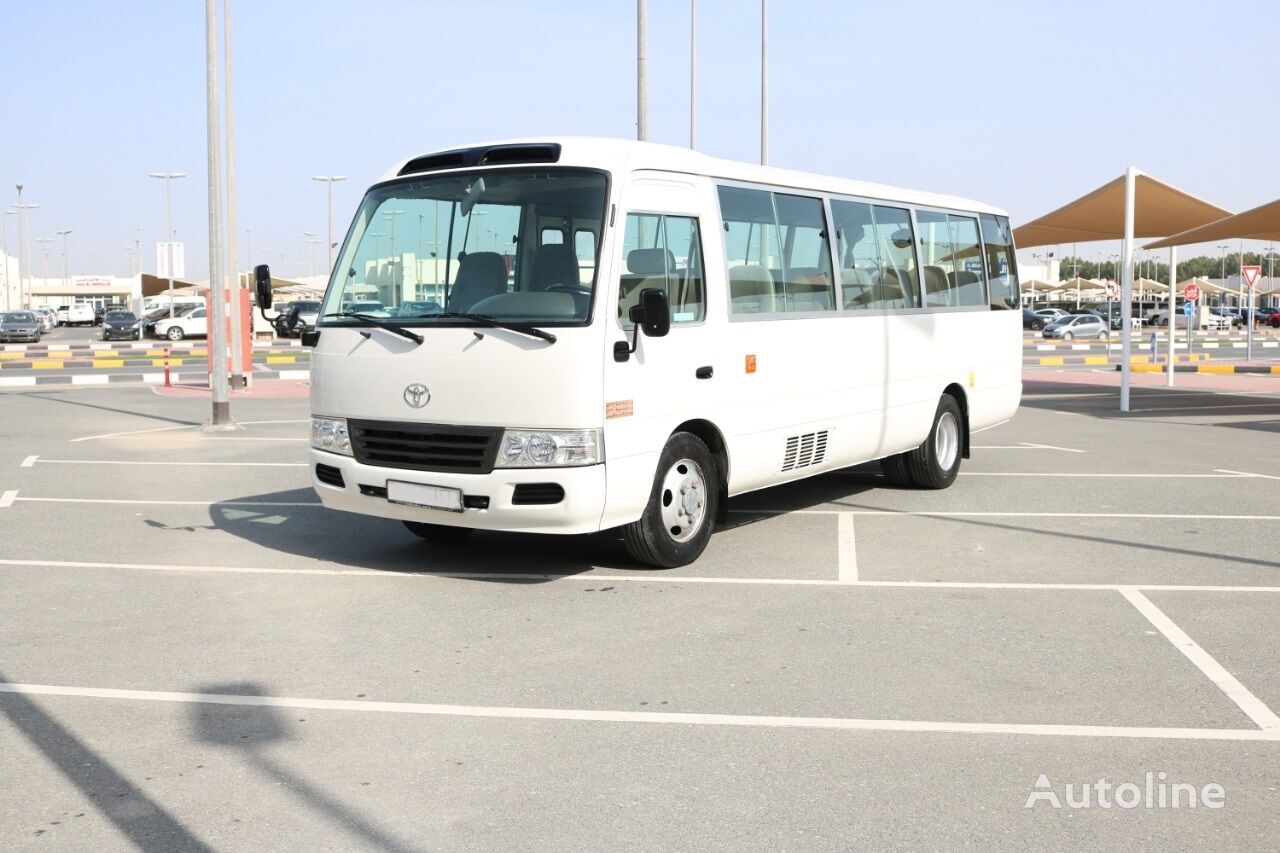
(330,434)
(537,448)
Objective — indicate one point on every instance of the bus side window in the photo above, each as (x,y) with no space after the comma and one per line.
(1002,268)
(664,252)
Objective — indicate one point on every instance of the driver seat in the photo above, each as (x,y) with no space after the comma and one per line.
(554,264)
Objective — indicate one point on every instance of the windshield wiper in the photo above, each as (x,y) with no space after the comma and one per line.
(494,322)
(369,320)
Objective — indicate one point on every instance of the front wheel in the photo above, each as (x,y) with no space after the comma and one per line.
(1068,336)
(438,532)
(175,333)
(678,519)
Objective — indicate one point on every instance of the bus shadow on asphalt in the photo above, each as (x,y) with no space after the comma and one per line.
(380,544)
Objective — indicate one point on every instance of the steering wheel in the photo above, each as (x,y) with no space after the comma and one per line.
(575,289)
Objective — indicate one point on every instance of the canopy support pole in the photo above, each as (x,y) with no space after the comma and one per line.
(1173,303)
(1126,286)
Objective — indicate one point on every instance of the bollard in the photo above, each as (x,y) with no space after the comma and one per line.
(166,368)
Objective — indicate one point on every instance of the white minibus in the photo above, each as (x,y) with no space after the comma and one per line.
(626,335)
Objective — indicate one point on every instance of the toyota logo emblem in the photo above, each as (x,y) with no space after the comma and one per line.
(417,395)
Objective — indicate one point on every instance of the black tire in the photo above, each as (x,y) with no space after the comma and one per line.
(655,539)
(926,467)
(895,470)
(175,333)
(438,532)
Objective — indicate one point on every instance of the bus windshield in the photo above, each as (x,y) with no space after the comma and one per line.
(518,245)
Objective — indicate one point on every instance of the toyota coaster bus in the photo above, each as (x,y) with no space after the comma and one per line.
(573,335)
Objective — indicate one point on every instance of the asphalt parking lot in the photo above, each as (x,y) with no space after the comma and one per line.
(195,655)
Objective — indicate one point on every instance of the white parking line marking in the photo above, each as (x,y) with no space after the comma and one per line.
(645,717)
(1205,662)
(911,513)
(28,462)
(992,426)
(7,498)
(588,577)
(847,549)
(165,502)
(1265,405)
(1247,474)
(171,464)
(1085,475)
(1025,445)
(180,426)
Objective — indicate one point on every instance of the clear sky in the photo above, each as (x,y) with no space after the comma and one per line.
(1020,103)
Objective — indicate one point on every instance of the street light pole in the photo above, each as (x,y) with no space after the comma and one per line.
(8,283)
(764,82)
(167,177)
(44,279)
(330,180)
(221,410)
(24,243)
(693,73)
(233,251)
(66,265)
(642,71)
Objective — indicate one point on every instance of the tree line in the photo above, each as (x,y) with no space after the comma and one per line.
(1201,267)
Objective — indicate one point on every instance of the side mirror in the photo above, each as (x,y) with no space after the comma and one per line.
(262,281)
(653,314)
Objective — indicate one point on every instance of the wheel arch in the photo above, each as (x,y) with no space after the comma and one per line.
(962,400)
(714,439)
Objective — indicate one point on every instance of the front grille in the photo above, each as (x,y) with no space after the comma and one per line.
(424,447)
(533,494)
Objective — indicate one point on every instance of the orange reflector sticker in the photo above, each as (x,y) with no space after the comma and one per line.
(619,409)
(751,364)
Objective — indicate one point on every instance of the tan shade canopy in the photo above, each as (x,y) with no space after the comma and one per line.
(1085,284)
(1261,223)
(1159,209)
(1205,286)
(1035,285)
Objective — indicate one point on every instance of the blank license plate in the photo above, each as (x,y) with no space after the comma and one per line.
(416,494)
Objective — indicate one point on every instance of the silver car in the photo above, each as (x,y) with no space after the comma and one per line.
(1076,326)
(20,326)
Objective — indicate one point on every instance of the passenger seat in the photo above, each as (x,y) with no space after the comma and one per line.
(480,275)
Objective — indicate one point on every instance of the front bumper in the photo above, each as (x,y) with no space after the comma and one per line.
(579,511)
(19,337)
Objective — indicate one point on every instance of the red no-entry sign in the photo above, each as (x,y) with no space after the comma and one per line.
(1192,293)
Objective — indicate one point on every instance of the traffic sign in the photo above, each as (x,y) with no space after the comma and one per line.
(1188,308)
(1113,291)
(1192,293)
(1250,275)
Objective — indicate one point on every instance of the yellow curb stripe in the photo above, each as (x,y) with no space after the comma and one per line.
(1095,359)
(46,365)
(1215,368)
(159,362)
(7,356)
(108,362)
(1051,361)
(281,359)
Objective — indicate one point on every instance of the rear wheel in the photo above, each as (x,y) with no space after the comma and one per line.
(1066,336)
(678,519)
(438,532)
(934,464)
(175,333)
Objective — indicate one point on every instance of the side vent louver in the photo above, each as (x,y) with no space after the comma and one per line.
(805,450)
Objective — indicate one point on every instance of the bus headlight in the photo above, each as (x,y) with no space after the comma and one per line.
(330,434)
(550,448)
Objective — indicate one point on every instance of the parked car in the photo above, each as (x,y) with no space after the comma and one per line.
(1274,320)
(80,314)
(1228,316)
(1262,316)
(123,325)
(1030,320)
(300,317)
(192,324)
(18,326)
(1076,326)
(48,318)
(1051,314)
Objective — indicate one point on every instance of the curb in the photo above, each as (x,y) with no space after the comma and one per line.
(141,378)
(1221,369)
(151,343)
(128,360)
(1135,361)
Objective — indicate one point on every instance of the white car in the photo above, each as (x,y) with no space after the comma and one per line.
(48,318)
(193,323)
(81,313)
